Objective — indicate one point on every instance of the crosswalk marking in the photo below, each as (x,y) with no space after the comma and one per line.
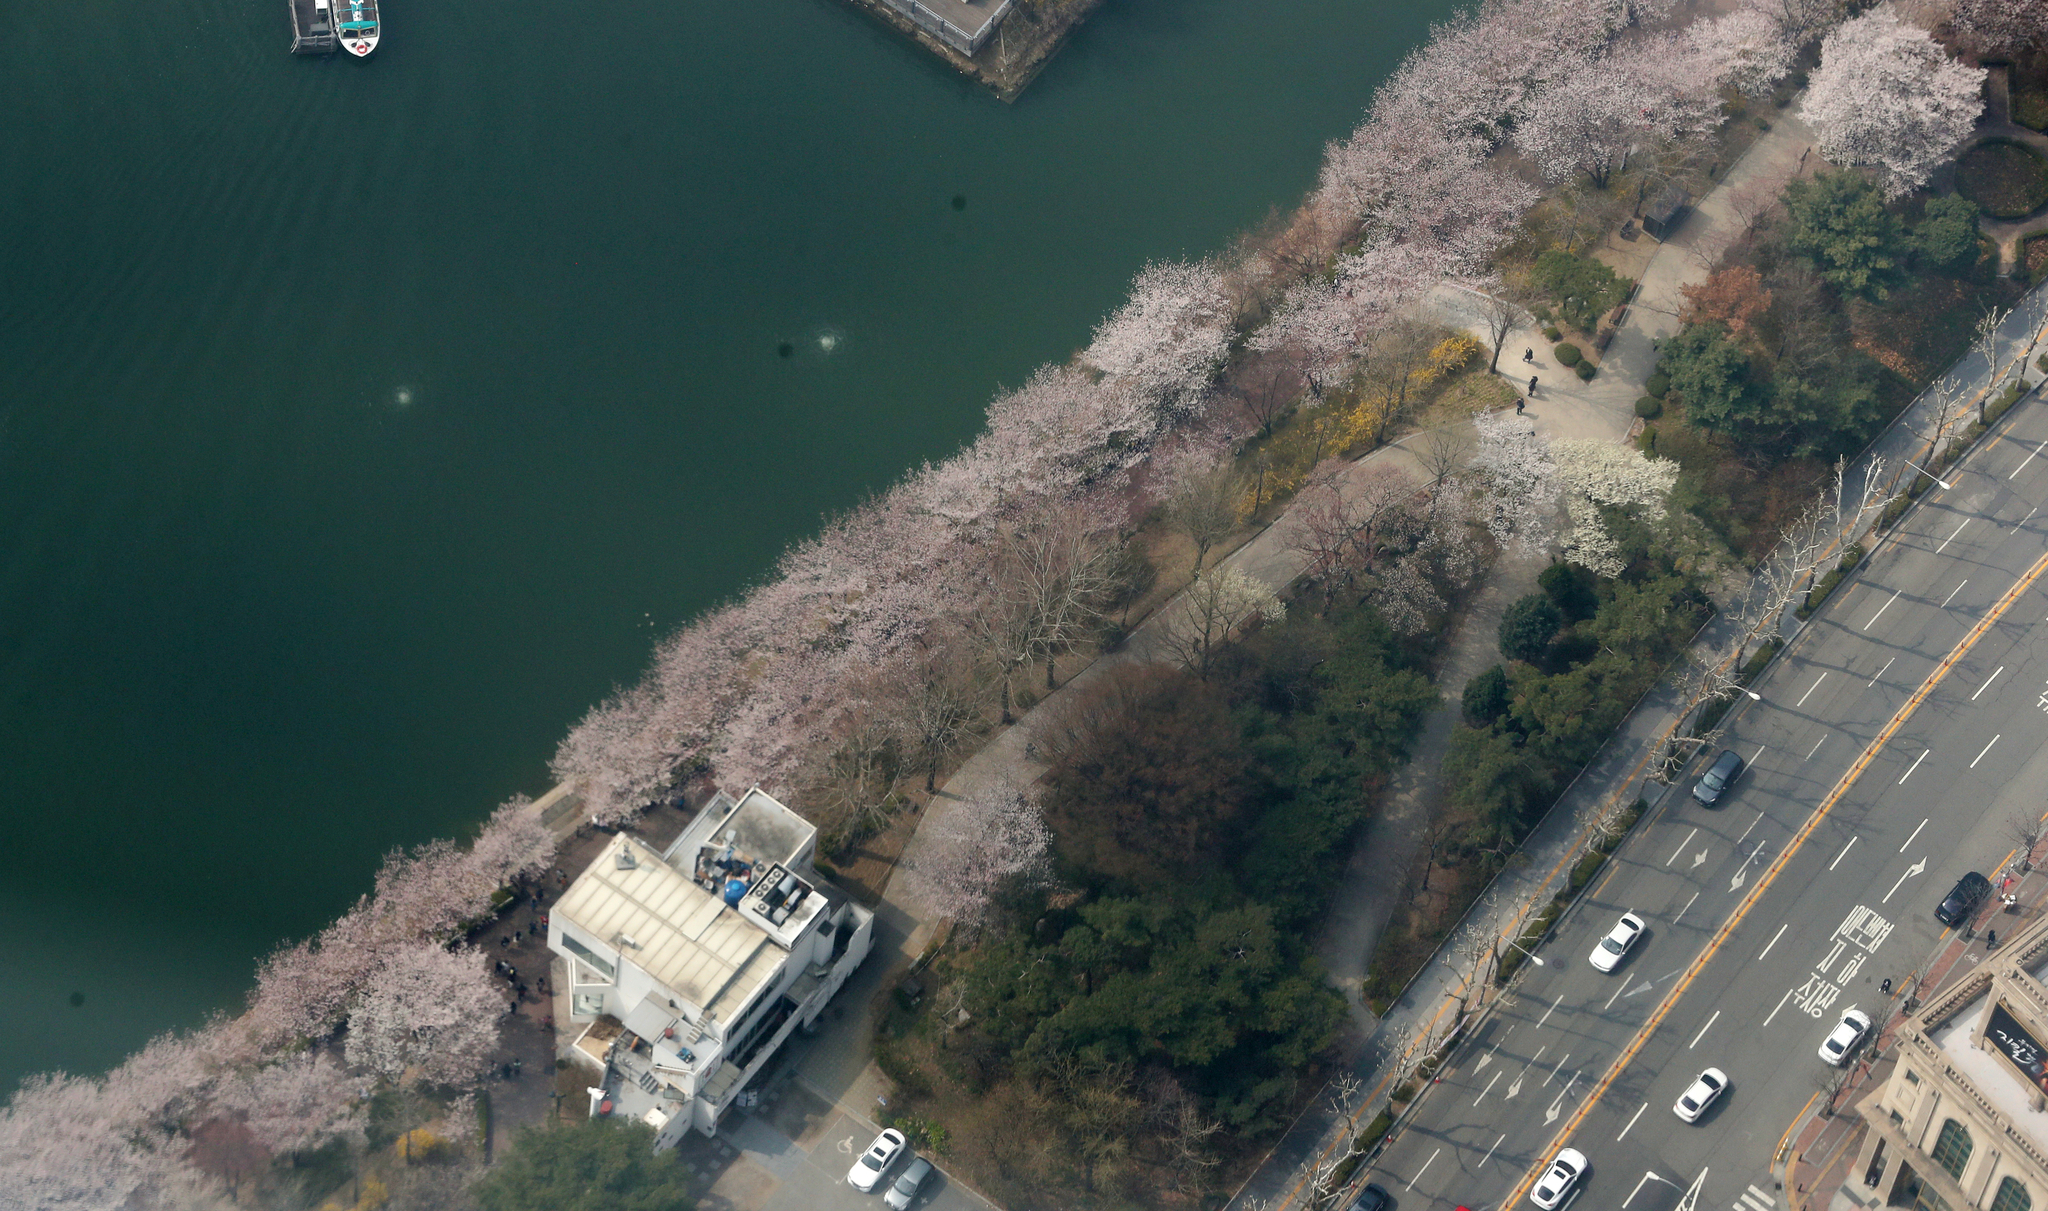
(1754,1199)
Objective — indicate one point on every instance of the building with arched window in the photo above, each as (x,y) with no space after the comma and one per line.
(1961,1121)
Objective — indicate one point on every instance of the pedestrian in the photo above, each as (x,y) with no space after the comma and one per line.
(1532,386)
(512,973)
(505,940)
(517,1064)
(500,967)
(520,987)
(1529,356)
(1991,939)
(1519,405)
(1885,987)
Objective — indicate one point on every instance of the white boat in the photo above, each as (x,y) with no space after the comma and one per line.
(356,25)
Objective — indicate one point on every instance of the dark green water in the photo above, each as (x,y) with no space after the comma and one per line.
(362,423)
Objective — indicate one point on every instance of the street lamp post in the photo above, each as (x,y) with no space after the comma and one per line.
(1941,483)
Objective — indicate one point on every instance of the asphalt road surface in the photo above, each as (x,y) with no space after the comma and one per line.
(1771,913)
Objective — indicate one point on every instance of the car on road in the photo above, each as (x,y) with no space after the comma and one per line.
(1962,903)
(875,1161)
(1612,948)
(1372,1198)
(1558,1180)
(904,1192)
(1718,778)
(1843,1038)
(1700,1094)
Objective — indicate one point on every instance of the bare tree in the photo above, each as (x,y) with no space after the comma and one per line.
(1986,346)
(1203,506)
(937,702)
(850,781)
(1342,529)
(1048,582)
(1221,602)
(1266,386)
(1396,352)
(2025,830)
(1442,450)
(1502,304)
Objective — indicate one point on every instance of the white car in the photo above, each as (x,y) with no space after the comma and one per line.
(1700,1094)
(1607,956)
(1558,1180)
(875,1161)
(1843,1038)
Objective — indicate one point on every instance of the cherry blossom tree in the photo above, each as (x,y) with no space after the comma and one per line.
(1748,48)
(1595,475)
(1202,503)
(972,852)
(295,1103)
(1995,28)
(1515,482)
(65,1142)
(1170,335)
(1887,95)
(937,701)
(429,1015)
(1655,88)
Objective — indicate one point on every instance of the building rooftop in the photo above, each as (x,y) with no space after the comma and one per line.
(676,931)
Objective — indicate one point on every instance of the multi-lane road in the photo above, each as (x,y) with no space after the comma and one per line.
(1894,741)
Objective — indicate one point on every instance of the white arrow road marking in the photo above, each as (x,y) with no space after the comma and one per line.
(1489,1151)
(1681,847)
(1951,538)
(1550,1115)
(1773,942)
(1912,767)
(1703,1031)
(1810,689)
(1916,868)
(1843,854)
(1648,1177)
(1645,986)
(1632,1120)
(1699,859)
(1909,840)
(1987,683)
(1887,664)
(1742,876)
(1987,748)
(1425,1168)
(1873,622)
(1487,1090)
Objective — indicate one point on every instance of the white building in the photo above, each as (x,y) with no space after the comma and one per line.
(690,966)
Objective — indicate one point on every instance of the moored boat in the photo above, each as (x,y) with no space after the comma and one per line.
(356,23)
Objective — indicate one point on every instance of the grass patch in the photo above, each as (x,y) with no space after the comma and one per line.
(2008,180)
(2030,108)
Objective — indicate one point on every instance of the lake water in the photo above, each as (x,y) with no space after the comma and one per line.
(362,423)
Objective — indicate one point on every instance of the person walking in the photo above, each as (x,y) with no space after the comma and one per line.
(1529,356)
(1532,386)
(1885,987)
(1519,405)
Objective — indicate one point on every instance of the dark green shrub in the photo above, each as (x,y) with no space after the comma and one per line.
(1568,354)
(1649,407)
(1553,333)
(2009,180)
(1893,511)
(1486,697)
(1920,485)
(1376,1130)
(1403,1092)
(2041,363)
(1762,123)
(1527,627)
(1572,589)
(1542,312)
(1754,666)
(1659,384)
(1587,370)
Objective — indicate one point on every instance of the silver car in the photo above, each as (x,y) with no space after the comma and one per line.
(904,1192)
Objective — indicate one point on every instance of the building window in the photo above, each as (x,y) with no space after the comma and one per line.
(1898,1120)
(2012,1196)
(602,965)
(1952,1148)
(1912,1077)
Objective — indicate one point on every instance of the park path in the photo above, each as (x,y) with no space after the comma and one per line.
(1563,408)
(2009,234)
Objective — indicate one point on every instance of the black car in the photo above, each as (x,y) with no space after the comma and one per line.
(1962,903)
(1372,1198)
(1718,778)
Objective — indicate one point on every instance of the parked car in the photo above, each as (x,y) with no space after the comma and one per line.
(1612,948)
(1719,777)
(904,1192)
(1372,1198)
(1700,1094)
(876,1161)
(1843,1038)
(1558,1180)
(1962,903)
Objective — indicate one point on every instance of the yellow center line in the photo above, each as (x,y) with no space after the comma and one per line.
(1734,921)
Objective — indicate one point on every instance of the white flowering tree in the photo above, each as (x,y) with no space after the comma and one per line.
(1514,482)
(1749,48)
(2001,27)
(1593,475)
(430,1015)
(981,845)
(1169,336)
(1887,95)
(1590,121)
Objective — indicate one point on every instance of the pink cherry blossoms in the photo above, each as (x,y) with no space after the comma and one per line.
(1886,94)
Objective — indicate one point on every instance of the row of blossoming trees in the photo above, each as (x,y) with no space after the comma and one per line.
(869,651)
